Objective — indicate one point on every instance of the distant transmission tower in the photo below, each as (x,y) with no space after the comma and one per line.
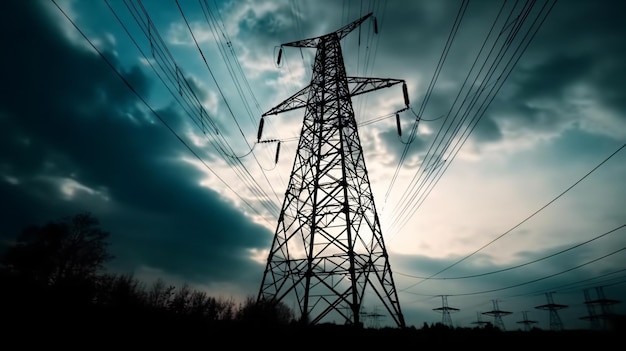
(497,314)
(555,321)
(373,316)
(445,312)
(479,322)
(599,319)
(328,249)
(526,322)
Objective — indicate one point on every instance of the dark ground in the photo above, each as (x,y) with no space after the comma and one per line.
(106,331)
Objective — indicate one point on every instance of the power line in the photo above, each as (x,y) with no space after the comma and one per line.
(218,142)
(525,219)
(127,83)
(224,98)
(544,277)
(534,280)
(429,156)
(216,23)
(579,284)
(433,81)
(411,201)
(520,265)
(432,157)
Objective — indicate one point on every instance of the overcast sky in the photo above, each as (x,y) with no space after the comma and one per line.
(506,183)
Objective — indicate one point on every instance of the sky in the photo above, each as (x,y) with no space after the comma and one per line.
(505,186)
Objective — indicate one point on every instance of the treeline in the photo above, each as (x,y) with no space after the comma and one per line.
(54,289)
(53,280)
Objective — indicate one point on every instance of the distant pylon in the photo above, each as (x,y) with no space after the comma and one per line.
(592,317)
(555,320)
(446,319)
(328,249)
(526,322)
(601,319)
(374,317)
(479,321)
(497,314)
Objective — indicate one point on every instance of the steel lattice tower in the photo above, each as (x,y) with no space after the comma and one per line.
(497,314)
(328,249)
(526,322)
(445,312)
(555,321)
(602,319)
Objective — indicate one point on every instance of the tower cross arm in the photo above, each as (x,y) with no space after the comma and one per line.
(364,85)
(296,101)
(350,27)
(340,33)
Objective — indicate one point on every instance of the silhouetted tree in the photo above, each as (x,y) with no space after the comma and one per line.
(181,300)
(121,292)
(265,312)
(198,304)
(160,294)
(222,310)
(52,270)
(72,249)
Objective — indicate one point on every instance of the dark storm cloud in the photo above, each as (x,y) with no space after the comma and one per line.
(67,116)
(580,46)
(487,130)
(551,78)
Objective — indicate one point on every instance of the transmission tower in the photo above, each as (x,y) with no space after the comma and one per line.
(555,320)
(479,322)
(497,314)
(445,312)
(526,322)
(599,319)
(328,249)
(374,317)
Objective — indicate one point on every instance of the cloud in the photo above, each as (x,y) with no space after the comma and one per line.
(263,20)
(68,146)
(178,34)
(568,82)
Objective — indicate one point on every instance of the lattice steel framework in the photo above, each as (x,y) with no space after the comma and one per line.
(599,319)
(497,314)
(555,321)
(328,249)
(445,310)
